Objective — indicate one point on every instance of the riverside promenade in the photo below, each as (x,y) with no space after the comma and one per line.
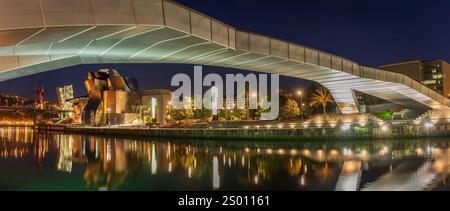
(263,133)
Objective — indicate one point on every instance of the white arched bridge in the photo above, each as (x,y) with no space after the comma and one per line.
(42,35)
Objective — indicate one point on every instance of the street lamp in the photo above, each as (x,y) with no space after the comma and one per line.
(300,93)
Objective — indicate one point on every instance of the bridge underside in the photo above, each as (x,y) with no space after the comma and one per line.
(155,31)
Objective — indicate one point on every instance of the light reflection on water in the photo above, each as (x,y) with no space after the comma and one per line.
(52,161)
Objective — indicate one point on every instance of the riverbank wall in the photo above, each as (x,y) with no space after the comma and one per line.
(354,133)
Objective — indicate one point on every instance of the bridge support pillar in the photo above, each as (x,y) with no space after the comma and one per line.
(345,100)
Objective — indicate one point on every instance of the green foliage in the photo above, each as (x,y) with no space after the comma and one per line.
(202,114)
(232,114)
(321,98)
(385,115)
(290,109)
(188,114)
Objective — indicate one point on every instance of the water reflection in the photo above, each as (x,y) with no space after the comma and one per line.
(99,163)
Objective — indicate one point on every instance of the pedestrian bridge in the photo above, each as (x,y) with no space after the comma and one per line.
(43,35)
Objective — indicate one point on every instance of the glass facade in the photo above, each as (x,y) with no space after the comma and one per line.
(432,76)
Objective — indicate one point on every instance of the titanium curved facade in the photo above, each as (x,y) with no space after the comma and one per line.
(42,35)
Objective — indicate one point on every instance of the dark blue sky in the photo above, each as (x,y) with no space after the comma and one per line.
(370,32)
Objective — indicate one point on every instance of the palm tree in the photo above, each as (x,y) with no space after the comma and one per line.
(321,97)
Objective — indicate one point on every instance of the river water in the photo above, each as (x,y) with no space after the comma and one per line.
(56,161)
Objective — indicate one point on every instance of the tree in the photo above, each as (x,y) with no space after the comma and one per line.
(177,114)
(321,97)
(202,114)
(188,114)
(290,109)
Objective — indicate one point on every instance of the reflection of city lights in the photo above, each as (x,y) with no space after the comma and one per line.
(153,160)
(256,179)
(334,153)
(306,152)
(216,176)
(419,151)
(170,167)
(269,151)
(351,167)
(439,166)
(320,155)
(364,154)
(437,151)
(381,153)
(302,180)
(293,152)
(108,151)
(190,172)
(247,150)
(243,161)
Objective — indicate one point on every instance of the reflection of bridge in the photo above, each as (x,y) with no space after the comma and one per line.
(406,177)
(41,35)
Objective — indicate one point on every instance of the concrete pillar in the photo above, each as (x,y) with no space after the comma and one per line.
(345,100)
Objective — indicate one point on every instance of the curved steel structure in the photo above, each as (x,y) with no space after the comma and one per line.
(42,35)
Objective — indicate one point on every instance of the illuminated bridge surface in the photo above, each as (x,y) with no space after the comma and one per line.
(42,35)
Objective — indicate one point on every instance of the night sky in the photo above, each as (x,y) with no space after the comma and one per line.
(369,32)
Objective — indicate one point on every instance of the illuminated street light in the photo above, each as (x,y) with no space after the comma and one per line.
(300,93)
